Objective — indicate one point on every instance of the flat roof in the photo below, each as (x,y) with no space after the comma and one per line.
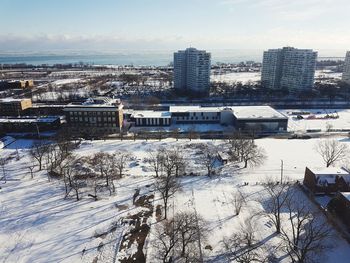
(240,112)
(97,102)
(151,114)
(13,100)
(330,171)
(29,119)
(196,108)
(329,175)
(87,106)
(257,112)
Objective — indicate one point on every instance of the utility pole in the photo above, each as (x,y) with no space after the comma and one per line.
(37,129)
(281,171)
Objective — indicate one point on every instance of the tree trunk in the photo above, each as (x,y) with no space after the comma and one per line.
(77,194)
(245,163)
(165,209)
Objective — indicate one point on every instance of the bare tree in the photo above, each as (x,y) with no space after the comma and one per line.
(77,176)
(31,170)
(179,159)
(278,196)
(307,235)
(109,167)
(252,154)
(155,160)
(166,239)
(101,163)
(175,133)
(3,162)
(243,246)
(332,151)
(192,133)
(121,160)
(177,239)
(167,186)
(190,228)
(245,150)
(209,157)
(238,200)
(37,153)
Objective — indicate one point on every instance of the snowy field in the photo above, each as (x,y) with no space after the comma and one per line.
(38,225)
(65,81)
(316,119)
(245,77)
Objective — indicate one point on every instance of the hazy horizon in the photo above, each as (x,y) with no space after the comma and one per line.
(135,57)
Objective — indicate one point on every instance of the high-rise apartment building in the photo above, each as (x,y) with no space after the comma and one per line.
(192,70)
(346,73)
(289,69)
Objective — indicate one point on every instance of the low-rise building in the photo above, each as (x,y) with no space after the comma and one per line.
(16,84)
(30,124)
(195,114)
(151,118)
(14,107)
(101,114)
(328,180)
(245,118)
(340,206)
(259,119)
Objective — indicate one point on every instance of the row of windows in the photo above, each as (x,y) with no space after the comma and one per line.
(93,119)
(196,118)
(98,124)
(92,113)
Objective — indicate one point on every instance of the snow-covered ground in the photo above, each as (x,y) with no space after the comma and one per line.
(315,120)
(244,77)
(65,81)
(38,225)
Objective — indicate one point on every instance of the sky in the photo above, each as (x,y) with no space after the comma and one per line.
(101,25)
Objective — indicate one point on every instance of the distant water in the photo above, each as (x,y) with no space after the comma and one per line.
(139,58)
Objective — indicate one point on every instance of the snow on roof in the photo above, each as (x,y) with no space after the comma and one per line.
(12,100)
(196,108)
(346,195)
(29,119)
(151,114)
(257,112)
(331,171)
(4,141)
(241,112)
(97,102)
(328,175)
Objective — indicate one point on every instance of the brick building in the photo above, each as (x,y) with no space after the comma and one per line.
(14,107)
(329,180)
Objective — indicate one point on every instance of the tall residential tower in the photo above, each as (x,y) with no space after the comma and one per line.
(346,73)
(192,71)
(289,69)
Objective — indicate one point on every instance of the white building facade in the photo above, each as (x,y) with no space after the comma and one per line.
(289,69)
(346,73)
(192,70)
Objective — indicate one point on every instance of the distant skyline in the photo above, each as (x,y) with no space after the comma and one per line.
(107,25)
